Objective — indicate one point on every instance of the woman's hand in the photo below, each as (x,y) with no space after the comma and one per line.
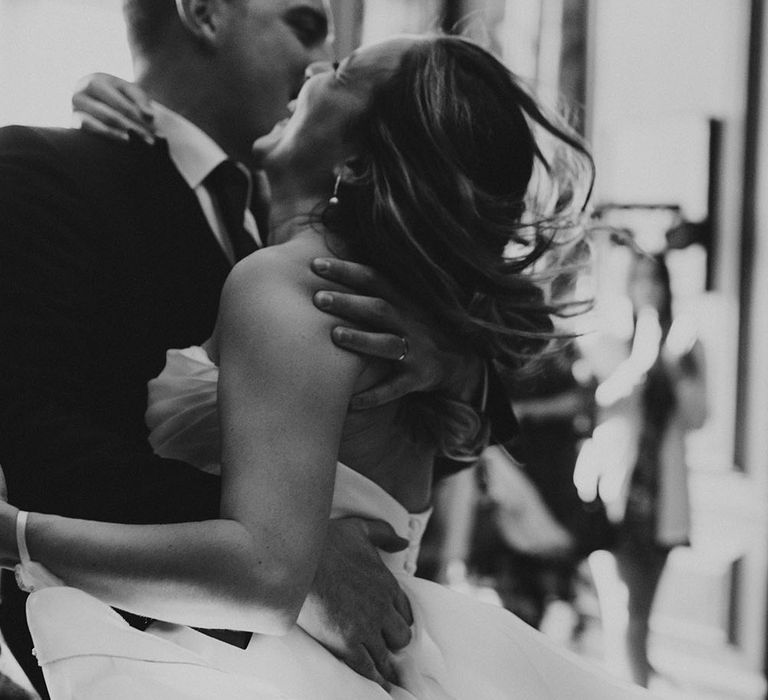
(423,357)
(113,107)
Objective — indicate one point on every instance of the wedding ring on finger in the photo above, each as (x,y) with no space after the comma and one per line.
(404,353)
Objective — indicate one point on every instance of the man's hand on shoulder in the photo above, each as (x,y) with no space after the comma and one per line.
(424,358)
(356,609)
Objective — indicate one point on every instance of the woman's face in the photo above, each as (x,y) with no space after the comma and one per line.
(316,135)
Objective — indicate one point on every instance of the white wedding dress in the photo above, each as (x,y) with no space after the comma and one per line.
(461,649)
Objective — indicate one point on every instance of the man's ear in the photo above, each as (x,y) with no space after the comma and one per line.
(202,18)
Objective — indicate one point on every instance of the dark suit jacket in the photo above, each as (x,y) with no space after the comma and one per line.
(106,261)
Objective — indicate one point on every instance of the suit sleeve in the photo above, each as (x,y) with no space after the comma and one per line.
(57,454)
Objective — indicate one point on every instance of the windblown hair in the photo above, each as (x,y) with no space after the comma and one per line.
(456,202)
(147,22)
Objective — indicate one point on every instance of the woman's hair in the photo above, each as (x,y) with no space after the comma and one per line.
(456,202)
(444,203)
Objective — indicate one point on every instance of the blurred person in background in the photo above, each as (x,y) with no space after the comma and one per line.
(660,393)
(556,412)
(491,530)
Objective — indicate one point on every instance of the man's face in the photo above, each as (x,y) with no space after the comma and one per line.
(269,45)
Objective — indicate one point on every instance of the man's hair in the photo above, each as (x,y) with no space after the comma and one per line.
(147,22)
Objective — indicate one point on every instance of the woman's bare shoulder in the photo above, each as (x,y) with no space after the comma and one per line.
(282,268)
(268,274)
(269,296)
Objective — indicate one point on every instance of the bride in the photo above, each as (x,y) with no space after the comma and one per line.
(415,156)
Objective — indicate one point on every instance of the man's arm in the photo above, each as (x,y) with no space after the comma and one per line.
(355,607)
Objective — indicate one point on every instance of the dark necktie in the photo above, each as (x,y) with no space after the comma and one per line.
(229,186)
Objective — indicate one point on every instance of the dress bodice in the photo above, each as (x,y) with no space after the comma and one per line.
(183,419)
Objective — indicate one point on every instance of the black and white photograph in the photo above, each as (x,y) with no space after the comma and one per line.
(369,349)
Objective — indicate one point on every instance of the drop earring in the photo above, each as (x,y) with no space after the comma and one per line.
(334,200)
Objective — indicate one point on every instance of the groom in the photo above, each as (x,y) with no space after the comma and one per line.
(110,253)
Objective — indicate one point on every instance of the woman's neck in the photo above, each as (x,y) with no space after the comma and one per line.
(293,207)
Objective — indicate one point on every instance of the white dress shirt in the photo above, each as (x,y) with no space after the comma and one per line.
(195,155)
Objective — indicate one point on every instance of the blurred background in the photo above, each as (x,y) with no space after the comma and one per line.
(670,96)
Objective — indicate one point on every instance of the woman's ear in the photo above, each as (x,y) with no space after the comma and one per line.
(202,18)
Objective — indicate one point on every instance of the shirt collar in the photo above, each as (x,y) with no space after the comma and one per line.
(193,152)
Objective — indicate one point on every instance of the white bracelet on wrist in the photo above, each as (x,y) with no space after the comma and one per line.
(21,537)
(30,575)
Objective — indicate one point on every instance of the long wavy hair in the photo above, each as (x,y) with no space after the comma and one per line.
(456,201)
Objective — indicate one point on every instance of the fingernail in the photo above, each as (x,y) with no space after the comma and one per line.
(340,334)
(320,265)
(323,299)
